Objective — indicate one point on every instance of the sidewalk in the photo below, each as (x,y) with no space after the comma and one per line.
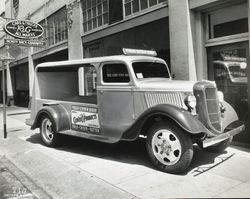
(15,184)
(45,176)
(87,169)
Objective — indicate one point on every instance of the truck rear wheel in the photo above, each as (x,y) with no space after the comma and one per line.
(169,147)
(48,132)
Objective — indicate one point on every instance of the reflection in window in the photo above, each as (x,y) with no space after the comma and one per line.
(134,6)
(230,74)
(238,70)
(116,73)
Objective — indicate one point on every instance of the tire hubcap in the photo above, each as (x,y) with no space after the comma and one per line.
(47,131)
(166,147)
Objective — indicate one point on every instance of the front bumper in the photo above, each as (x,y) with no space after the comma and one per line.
(214,140)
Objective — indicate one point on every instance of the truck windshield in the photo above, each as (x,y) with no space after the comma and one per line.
(150,70)
(237,71)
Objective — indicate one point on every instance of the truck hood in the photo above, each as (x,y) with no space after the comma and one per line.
(162,84)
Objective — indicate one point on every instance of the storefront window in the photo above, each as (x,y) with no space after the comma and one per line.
(228,58)
(134,6)
(228,68)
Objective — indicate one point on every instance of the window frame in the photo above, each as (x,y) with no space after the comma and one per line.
(82,82)
(149,8)
(88,19)
(210,42)
(51,33)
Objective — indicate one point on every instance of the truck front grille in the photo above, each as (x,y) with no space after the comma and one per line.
(213,108)
(208,108)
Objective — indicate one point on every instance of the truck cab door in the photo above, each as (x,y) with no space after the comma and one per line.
(115,100)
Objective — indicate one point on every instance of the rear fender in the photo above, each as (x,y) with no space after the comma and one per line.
(55,112)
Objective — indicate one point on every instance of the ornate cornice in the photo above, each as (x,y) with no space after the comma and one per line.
(70,7)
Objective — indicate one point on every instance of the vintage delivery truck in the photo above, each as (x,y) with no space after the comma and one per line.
(123,97)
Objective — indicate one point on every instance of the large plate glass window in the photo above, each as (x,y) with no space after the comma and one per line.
(228,54)
(228,68)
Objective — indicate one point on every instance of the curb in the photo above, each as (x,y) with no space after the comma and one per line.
(28,188)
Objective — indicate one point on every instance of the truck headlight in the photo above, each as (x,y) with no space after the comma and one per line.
(190,102)
(220,96)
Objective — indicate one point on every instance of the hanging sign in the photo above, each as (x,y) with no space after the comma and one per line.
(23,29)
(22,42)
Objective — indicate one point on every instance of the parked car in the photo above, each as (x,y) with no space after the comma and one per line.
(123,97)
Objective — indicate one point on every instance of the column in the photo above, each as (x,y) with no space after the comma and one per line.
(74,30)
(31,73)
(181,41)
(10,98)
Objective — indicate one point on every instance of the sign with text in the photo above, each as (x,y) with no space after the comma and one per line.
(23,29)
(20,42)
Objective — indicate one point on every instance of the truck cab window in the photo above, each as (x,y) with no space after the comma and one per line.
(115,73)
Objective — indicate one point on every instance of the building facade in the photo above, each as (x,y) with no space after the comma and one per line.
(200,40)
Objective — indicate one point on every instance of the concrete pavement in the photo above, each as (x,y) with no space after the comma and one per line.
(86,169)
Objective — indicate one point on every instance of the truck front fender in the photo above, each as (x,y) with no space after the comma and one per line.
(55,112)
(181,117)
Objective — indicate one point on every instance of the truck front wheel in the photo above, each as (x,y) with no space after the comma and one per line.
(47,132)
(169,147)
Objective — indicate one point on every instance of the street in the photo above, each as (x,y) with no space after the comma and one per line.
(82,168)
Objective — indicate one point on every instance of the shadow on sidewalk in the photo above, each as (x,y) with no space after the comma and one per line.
(127,152)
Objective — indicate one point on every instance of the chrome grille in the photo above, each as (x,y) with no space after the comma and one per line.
(213,108)
(153,99)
